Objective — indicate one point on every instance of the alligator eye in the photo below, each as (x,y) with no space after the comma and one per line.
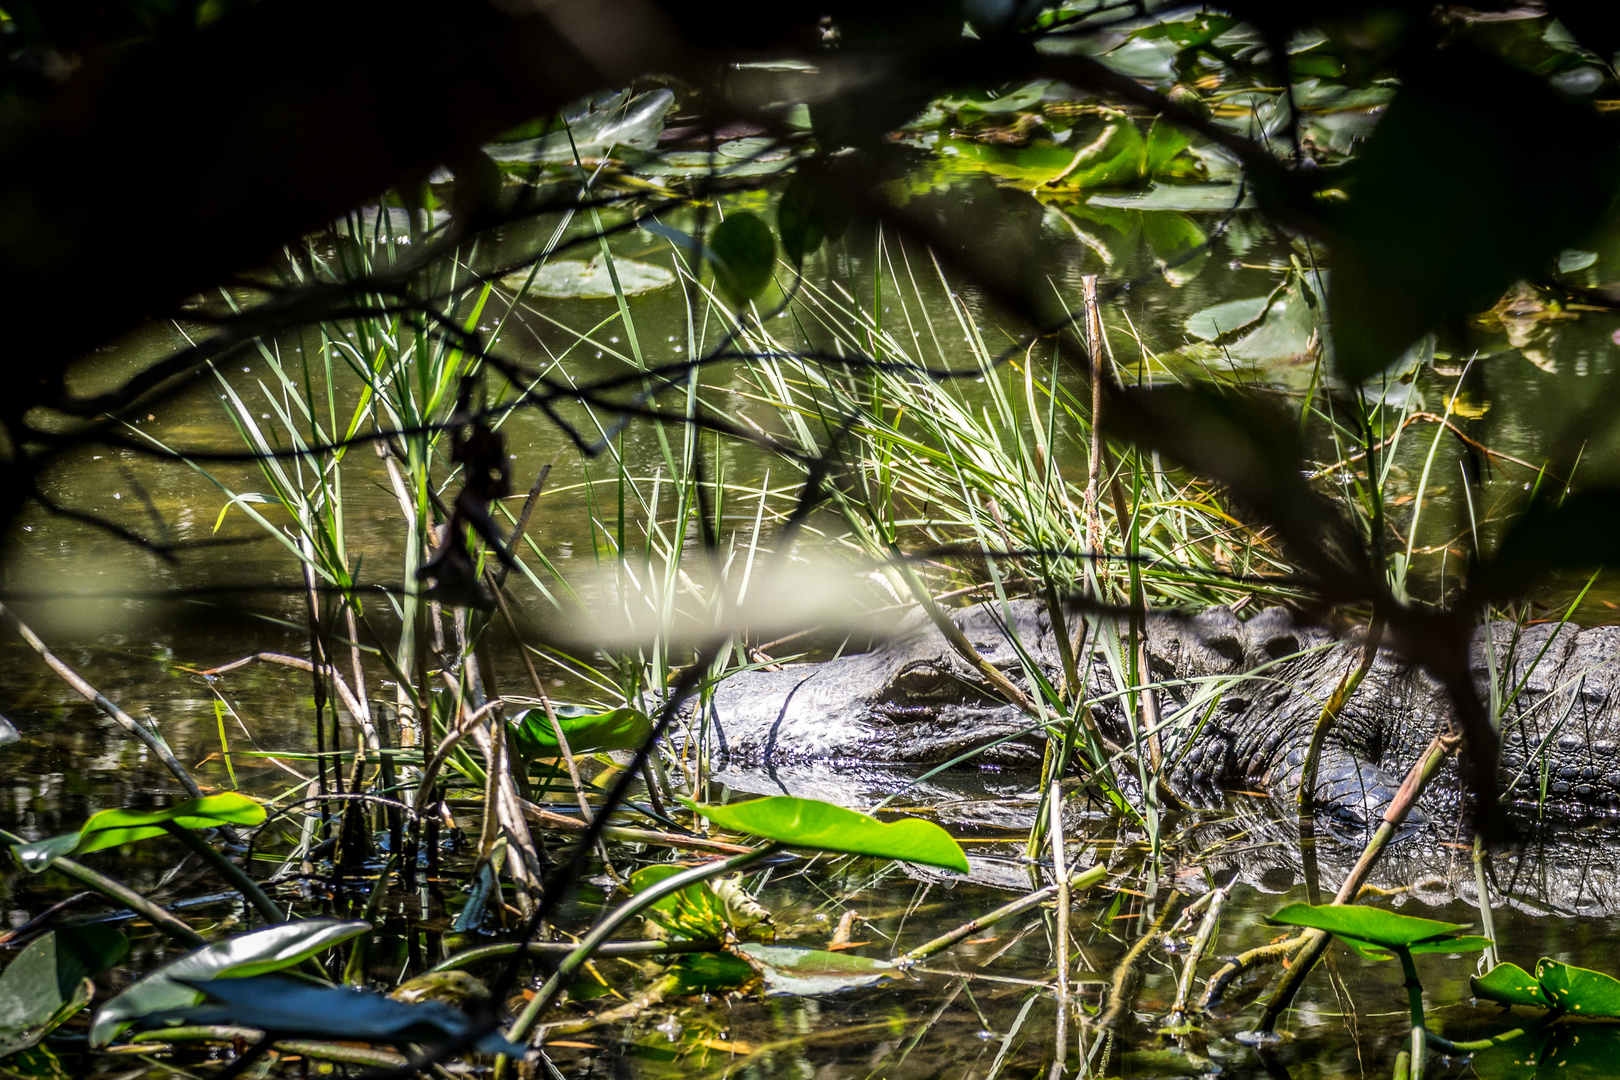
(924,682)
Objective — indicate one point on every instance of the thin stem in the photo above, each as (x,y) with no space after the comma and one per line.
(228,870)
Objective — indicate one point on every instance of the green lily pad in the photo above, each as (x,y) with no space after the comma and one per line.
(1511,985)
(1187,198)
(114,828)
(49,981)
(242,956)
(790,970)
(570,279)
(1115,158)
(1580,990)
(1373,925)
(815,824)
(710,973)
(596,125)
(695,912)
(1228,318)
(744,255)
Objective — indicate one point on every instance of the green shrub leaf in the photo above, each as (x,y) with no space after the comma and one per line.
(815,824)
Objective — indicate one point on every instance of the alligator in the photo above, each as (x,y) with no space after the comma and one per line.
(1236,701)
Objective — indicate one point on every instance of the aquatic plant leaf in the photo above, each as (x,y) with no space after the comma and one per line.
(1115,158)
(242,956)
(1374,925)
(1231,317)
(114,828)
(1459,944)
(1176,241)
(1511,985)
(571,279)
(695,912)
(790,970)
(49,981)
(1187,198)
(710,973)
(1515,1059)
(8,732)
(815,824)
(1478,174)
(1164,141)
(744,255)
(294,1007)
(588,730)
(1579,990)
(596,125)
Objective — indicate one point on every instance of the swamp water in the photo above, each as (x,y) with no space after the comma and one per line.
(141,629)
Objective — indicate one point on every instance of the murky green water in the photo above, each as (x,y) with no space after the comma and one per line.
(1526,385)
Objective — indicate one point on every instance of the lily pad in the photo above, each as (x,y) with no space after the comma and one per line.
(242,956)
(710,973)
(1187,198)
(815,824)
(790,970)
(1223,320)
(1511,985)
(49,981)
(1579,990)
(596,125)
(571,279)
(114,828)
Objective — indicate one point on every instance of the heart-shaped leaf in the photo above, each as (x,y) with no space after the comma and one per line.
(1511,985)
(815,824)
(1579,990)
(242,956)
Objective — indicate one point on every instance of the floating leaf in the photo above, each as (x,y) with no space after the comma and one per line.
(1225,319)
(815,824)
(114,828)
(596,126)
(1115,158)
(1164,141)
(588,730)
(791,970)
(744,254)
(695,912)
(1511,985)
(1176,241)
(49,981)
(710,973)
(1187,198)
(294,1007)
(1579,990)
(1374,925)
(571,279)
(254,953)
